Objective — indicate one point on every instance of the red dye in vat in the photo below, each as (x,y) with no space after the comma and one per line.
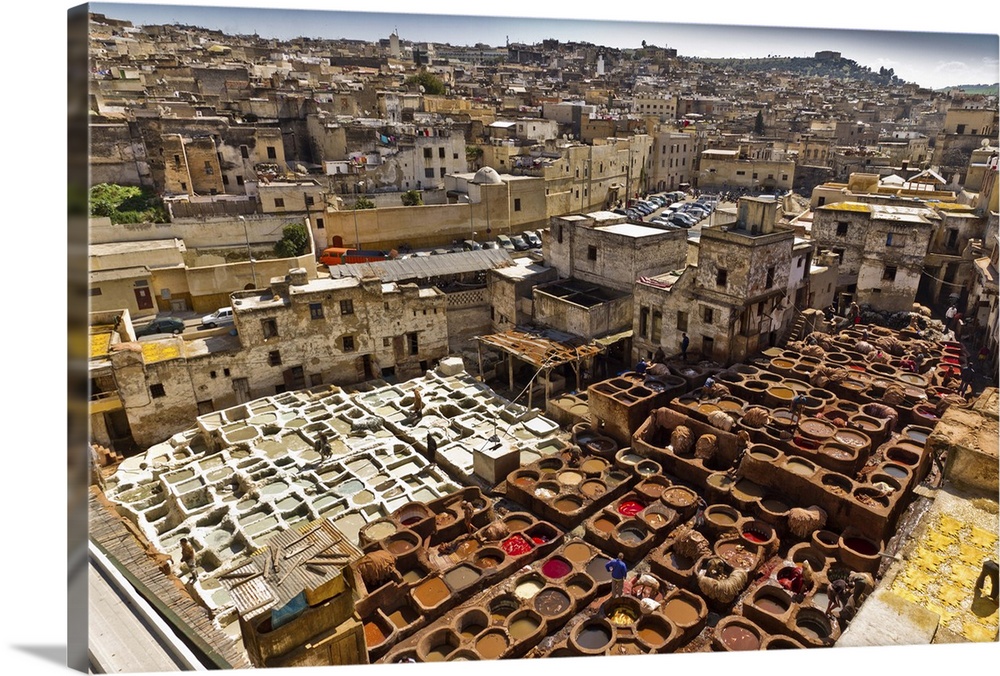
(753,536)
(950,360)
(537,540)
(516,545)
(802,442)
(861,546)
(630,507)
(556,568)
(410,521)
(855,367)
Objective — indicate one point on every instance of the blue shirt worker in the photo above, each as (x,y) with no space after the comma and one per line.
(685,341)
(618,570)
(641,367)
(797,403)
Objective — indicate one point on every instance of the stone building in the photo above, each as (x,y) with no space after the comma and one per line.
(731,170)
(881,250)
(734,302)
(672,162)
(297,333)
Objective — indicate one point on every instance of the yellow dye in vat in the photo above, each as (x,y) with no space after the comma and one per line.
(160,350)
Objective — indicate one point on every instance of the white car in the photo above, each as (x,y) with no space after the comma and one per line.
(221,317)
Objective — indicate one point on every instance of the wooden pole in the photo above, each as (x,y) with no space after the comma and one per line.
(510,372)
(479,352)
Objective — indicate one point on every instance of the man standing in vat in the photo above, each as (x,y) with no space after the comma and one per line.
(798,402)
(189,558)
(322,446)
(418,404)
(618,569)
(467,511)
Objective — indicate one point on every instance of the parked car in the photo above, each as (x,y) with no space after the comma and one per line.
(438,252)
(490,244)
(163,325)
(471,245)
(520,243)
(534,241)
(505,242)
(221,317)
(683,220)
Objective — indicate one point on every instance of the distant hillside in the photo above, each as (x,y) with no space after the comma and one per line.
(839,67)
(984,89)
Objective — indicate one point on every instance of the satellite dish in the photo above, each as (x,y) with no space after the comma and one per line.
(984,143)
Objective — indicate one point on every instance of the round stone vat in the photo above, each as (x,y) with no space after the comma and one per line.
(626,457)
(813,625)
(525,479)
(878,477)
(431,593)
(594,466)
(516,545)
(825,541)
(528,585)
(556,568)
(738,553)
(816,429)
(871,497)
(804,552)
(553,603)
(471,623)
(859,553)
(593,488)
(569,477)
(718,486)
(525,625)
(658,516)
(578,552)
(592,637)
(492,644)
(684,609)
(772,599)
(623,611)
(800,466)
(734,633)
(462,576)
(402,542)
(681,499)
(897,471)
(516,521)
(489,557)
(631,533)
(648,467)
(720,518)
(597,571)
(602,446)
(502,606)
(605,523)
(412,514)
(902,456)
(746,493)
(541,533)
(580,586)
(438,644)
(629,506)
(550,464)
(757,532)
(655,632)
(652,487)
(546,489)
(837,483)
(568,504)
(759,456)
(778,642)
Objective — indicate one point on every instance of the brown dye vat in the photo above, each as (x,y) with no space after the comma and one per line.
(772,601)
(651,489)
(836,484)
(682,612)
(736,637)
(851,438)
(403,616)
(460,577)
(871,497)
(594,465)
(800,467)
(431,592)
(373,634)
(838,452)
(825,541)
(577,552)
(736,554)
(730,405)
(466,548)
(721,516)
(814,428)
(515,523)
(653,631)
(631,535)
(552,602)
(679,497)
(604,524)
(568,504)
(439,653)
(491,644)
(747,491)
(812,624)
(579,585)
(593,488)
(413,575)
(525,480)
(655,519)
(648,467)
(489,557)
(774,506)
(550,464)
(398,547)
(471,623)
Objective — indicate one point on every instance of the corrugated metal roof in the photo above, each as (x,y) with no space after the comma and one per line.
(294,561)
(425,267)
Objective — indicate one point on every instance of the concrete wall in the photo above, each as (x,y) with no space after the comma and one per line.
(608,317)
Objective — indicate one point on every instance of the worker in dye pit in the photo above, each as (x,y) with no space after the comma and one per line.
(432,446)
(322,446)
(188,557)
(990,570)
(706,390)
(838,592)
(660,357)
(574,456)
(967,375)
(685,341)
(618,569)
(467,512)
(418,404)
(640,368)
(907,363)
(798,403)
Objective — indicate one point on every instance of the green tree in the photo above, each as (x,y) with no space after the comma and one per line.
(363,203)
(126,204)
(758,125)
(412,198)
(430,82)
(294,241)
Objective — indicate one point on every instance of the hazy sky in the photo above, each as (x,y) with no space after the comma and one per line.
(930,59)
